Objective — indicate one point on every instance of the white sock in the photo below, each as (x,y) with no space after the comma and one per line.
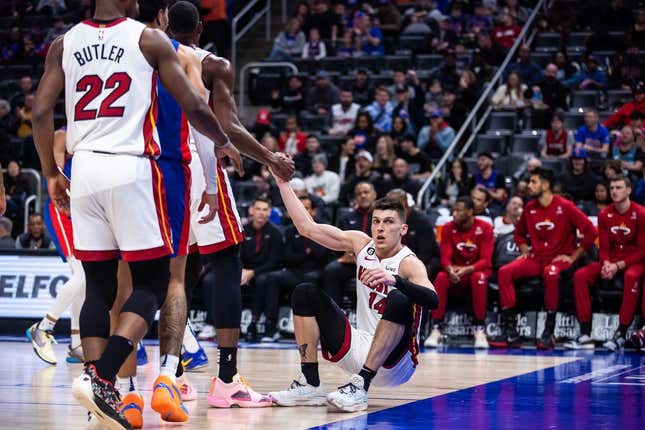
(127,384)
(169,365)
(191,344)
(71,290)
(46,324)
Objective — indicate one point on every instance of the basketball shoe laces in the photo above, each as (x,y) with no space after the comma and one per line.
(350,386)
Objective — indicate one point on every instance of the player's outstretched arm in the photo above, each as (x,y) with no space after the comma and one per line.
(219,72)
(326,235)
(157,48)
(51,84)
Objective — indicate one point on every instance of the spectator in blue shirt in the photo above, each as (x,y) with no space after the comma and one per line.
(529,71)
(591,77)
(436,137)
(371,38)
(381,110)
(593,136)
(289,43)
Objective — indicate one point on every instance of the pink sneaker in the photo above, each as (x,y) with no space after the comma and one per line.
(237,393)
(188,393)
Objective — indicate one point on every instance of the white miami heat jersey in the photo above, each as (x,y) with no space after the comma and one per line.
(201,54)
(110,89)
(370,301)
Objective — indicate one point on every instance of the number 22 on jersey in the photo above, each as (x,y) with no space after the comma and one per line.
(93,86)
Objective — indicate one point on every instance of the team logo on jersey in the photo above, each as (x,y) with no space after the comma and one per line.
(467,246)
(545,225)
(622,228)
(370,251)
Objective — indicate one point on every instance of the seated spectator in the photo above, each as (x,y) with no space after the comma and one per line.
(467,93)
(481,200)
(304,260)
(519,13)
(554,92)
(457,183)
(303,159)
(380,110)
(363,132)
(491,53)
(314,49)
(531,164)
(528,71)
(399,130)
(420,237)
(323,18)
(480,21)
(488,177)
(389,17)
(566,69)
(384,156)
(591,77)
(416,25)
(447,72)
(401,178)
(636,123)
(628,153)
(369,38)
(344,163)
(505,224)
(36,236)
(611,169)
(506,32)
(260,253)
(445,34)
(364,173)
(557,141)
(23,115)
(17,188)
(11,49)
(434,96)
(289,43)
(466,260)
(401,78)
(6,241)
(340,273)
(418,161)
(436,137)
(600,201)
(262,125)
(510,96)
(578,178)
(622,115)
(322,182)
(347,48)
(17,100)
(322,95)
(593,137)
(362,88)
(343,114)
(408,108)
(300,189)
(292,98)
(292,140)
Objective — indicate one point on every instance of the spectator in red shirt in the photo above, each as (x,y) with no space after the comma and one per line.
(292,140)
(466,260)
(621,116)
(506,33)
(551,222)
(621,228)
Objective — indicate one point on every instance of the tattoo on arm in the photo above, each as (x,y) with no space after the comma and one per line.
(303,351)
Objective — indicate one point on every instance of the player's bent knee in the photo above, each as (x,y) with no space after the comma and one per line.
(301,299)
(398,308)
(150,286)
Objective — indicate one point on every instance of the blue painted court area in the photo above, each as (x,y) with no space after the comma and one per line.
(598,391)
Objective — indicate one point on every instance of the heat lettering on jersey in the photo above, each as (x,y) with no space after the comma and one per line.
(99,51)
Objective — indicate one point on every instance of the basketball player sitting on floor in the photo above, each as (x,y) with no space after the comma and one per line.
(391,287)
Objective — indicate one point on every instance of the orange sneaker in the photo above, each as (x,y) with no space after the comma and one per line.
(166,400)
(131,407)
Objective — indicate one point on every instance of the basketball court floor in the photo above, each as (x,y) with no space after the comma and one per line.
(451,389)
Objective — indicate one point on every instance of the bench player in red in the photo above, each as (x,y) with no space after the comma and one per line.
(621,230)
(551,223)
(466,260)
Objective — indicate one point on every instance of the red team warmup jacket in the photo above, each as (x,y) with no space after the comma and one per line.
(464,248)
(552,229)
(622,236)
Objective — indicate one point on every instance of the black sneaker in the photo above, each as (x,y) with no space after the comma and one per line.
(547,340)
(100,398)
(271,333)
(252,332)
(509,337)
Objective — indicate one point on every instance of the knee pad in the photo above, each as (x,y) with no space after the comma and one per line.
(303,299)
(226,270)
(100,292)
(150,286)
(398,308)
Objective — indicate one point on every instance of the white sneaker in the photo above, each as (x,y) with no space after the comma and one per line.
(434,340)
(300,393)
(351,397)
(583,342)
(207,333)
(616,343)
(42,341)
(480,339)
